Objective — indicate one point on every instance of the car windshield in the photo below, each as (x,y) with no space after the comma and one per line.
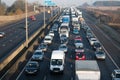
(38,53)
(97,44)
(62,46)
(100,52)
(31,65)
(77,41)
(56,62)
(117,75)
(80,54)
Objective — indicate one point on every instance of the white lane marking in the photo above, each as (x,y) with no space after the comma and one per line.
(4,75)
(71,78)
(111,58)
(45,78)
(71,65)
(108,38)
(71,56)
(108,53)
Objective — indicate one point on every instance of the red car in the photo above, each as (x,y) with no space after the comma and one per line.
(78,38)
(33,18)
(80,56)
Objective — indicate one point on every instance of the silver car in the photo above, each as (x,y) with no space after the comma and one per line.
(63,47)
(38,55)
(43,47)
(100,55)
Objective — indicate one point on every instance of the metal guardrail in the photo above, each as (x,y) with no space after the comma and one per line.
(21,46)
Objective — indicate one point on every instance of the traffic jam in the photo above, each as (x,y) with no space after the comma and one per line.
(69,34)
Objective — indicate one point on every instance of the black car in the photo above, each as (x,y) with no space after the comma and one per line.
(32,67)
(97,46)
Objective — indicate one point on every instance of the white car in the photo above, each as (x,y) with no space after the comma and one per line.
(2,34)
(78,43)
(48,39)
(93,40)
(63,47)
(51,33)
(38,55)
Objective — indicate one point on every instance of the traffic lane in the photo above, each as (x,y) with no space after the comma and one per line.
(106,67)
(17,34)
(44,70)
(108,44)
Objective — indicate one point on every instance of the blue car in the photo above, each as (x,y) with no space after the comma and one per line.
(75,31)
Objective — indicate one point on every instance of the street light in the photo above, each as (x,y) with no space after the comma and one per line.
(44,15)
(26,23)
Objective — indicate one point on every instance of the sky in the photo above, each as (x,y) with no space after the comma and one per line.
(65,3)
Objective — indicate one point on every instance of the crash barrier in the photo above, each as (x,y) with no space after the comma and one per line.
(4,62)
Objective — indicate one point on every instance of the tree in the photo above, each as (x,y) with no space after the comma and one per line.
(2,8)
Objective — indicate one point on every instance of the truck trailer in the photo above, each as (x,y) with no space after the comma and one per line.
(87,70)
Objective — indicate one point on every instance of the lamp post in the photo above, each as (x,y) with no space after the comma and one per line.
(44,15)
(26,23)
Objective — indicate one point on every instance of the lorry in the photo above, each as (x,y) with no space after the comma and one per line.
(57,61)
(64,29)
(116,74)
(87,70)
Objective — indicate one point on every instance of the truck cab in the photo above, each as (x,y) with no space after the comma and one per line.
(116,74)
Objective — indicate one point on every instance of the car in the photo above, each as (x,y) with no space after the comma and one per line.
(100,55)
(51,33)
(33,18)
(63,47)
(116,74)
(92,41)
(78,38)
(75,31)
(55,27)
(48,39)
(43,47)
(78,43)
(79,49)
(38,55)
(80,56)
(2,34)
(32,67)
(97,46)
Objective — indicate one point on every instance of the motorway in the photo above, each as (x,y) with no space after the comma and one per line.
(15,33)
(106,66)
(112,50)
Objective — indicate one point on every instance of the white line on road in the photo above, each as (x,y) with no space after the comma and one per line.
(45,78)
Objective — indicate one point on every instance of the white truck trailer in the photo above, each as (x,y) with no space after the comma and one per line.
(87,70)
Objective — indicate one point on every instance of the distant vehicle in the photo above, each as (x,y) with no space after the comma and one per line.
(48,39)
(87,70)
(51,33)
(64,29)
(63,47)
(55,27)
(38,55)
(75,31)
(116,74)
(78,38)
(33,18)
(57,61)
(63,39)
(97,46)
(79,49)
(43,47)
(92,41)
(2,34)
(32,67)
(66,19)
(100,55)
(80,56)
(78,43)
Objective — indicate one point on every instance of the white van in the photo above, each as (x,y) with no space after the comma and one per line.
(57,61)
